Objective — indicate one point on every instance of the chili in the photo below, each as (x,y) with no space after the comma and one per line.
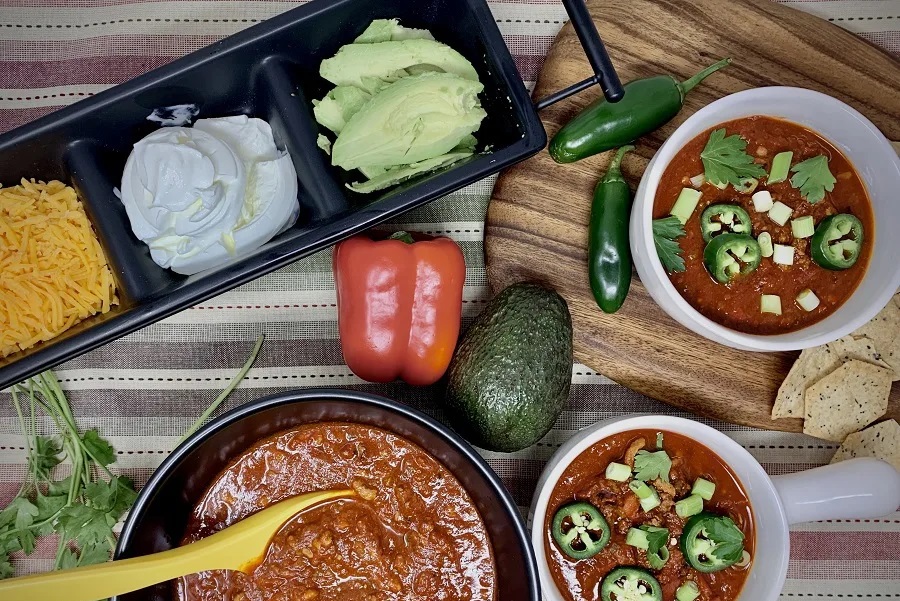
(580,530)
(724,219)
(609,253)
(730,255)
(630,584)
(647,105)
(837,242)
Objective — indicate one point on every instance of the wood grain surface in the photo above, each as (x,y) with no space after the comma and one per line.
(537,219)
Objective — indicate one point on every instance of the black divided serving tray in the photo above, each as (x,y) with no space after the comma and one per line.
(269,71)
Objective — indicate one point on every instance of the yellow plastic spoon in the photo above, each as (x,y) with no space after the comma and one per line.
(237,547)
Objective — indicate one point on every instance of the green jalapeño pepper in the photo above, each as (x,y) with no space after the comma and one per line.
(580,530)
(609,253)
(723,219)
(647,105)
(837,241)
(711,543)
(730,255)
(630,584)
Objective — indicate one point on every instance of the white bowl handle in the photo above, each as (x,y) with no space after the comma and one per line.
(853,489)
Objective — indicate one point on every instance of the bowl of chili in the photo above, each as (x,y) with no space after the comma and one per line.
(706,522)
(757,273)
(280,445)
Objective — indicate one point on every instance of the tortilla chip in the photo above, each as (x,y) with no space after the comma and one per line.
(847,400)
(881,441)
(860,348)
(884,331)
(812,365)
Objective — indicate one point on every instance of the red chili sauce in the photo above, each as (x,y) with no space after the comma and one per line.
(412,533)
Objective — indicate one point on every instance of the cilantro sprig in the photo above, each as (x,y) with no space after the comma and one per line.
(666,232)
(813,178)
(727,538)
(725,160)
(82,508)
(650,466)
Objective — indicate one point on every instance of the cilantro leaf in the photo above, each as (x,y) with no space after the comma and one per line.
(725,160)
(6,569)
(113,497)
(657,538)
(98,553)
(727,537)
(650,466)
(813,178)
(45,455)
(68,559)
(98,448)
(85,525)
(665,233)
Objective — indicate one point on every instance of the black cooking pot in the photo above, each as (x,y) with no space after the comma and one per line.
(160,515)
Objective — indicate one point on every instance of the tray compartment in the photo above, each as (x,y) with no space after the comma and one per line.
(268,71)
(281,102)
(94,173)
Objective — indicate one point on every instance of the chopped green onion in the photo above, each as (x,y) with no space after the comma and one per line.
(780,212)
(658,560)
(747,186)
(803,227)
(698,180)
(744,561)
(703,488)
(762,201)
(689,506)
(765,244)
(618,472)
(641,489)
(659,441)
(807,300)
(637,538)
(685,205)
(651,502)
(781,166)
(770,303)
(687,591)
(783,254)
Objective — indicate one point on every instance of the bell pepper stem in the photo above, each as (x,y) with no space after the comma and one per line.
(402,237)
(614,173)
(689,84)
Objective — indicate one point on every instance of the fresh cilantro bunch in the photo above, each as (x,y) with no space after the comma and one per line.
(81,508)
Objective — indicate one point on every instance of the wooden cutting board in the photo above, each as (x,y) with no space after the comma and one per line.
(537,219)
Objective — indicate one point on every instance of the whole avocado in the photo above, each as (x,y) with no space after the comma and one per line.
(509,379)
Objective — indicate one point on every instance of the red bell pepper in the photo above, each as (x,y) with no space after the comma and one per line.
(399,306)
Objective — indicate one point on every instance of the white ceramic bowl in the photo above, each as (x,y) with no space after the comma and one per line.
(854,489)
(869,152)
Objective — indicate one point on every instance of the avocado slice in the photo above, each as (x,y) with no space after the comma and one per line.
(509,379)
(341,103)
(413,119)
(387,30)
(395,175)
(359,64)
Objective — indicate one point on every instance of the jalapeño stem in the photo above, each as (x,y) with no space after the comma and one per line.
(689,84)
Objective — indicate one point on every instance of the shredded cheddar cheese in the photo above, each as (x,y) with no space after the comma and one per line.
(53,272)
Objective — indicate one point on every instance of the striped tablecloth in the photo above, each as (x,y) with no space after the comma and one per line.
(144,390)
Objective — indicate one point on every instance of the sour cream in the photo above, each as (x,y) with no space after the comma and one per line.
(201,196)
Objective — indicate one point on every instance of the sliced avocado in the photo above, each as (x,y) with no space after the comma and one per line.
(338,106)
(395,175)
(386,30)
(386,61)
(324,143)
(510,376)
(414,119)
